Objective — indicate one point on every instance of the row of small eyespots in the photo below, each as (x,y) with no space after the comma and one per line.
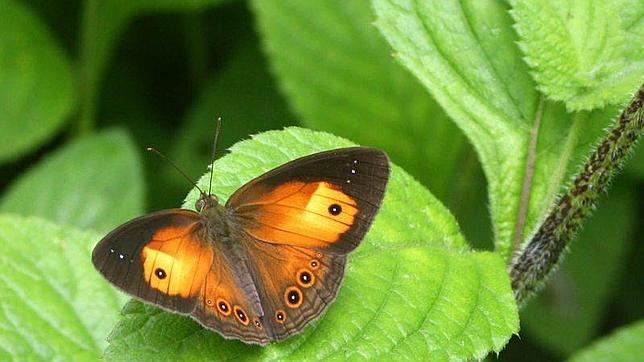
(293,296)
(240,315)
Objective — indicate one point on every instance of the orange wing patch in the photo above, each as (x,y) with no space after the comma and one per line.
(175,263)
(302,214)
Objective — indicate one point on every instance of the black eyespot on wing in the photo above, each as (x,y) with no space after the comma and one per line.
(293,297)
(335,209)
(305,278)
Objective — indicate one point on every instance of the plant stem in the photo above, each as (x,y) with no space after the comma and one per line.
(530,268)
(529,175)
(86,80)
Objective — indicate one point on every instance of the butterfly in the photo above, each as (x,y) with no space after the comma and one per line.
(265,264)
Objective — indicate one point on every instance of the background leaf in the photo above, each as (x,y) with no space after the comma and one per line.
(36,86)
(54,305)
(464,309)
(481,81)
(103,23)
(579,50)
(623,345)
(79,184)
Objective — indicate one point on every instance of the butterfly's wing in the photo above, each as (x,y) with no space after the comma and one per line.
(229,302)
(325,201)
(149,256)
(298,222)
(167,259)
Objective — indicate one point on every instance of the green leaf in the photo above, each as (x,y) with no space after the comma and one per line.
(54,305)
(466,55)
(580,51)
(103,23)
(339,77)
(412,288)
(93,182)
(621,346)
(567,314)
(36,88)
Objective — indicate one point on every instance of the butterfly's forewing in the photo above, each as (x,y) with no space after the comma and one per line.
(325,201)
(161,258)
(299,221)
(166,259)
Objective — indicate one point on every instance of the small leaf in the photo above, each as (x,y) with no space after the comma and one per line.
(623,345)
(94,182)
(339,77)
(54,305)
(36,86)
(411,288)
(567,314)
(466,55)
(579,51)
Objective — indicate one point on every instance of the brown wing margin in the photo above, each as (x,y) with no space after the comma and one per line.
(325,201)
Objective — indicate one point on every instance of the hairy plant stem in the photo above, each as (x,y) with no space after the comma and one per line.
(530,268)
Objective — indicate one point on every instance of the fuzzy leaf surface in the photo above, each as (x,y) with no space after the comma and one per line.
(55,306)
(584,53)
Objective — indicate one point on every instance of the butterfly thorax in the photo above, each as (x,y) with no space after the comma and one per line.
(215,214)
(222,232)
(218,222)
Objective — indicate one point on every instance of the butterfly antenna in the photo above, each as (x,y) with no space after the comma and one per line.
(214,148)
(176,168)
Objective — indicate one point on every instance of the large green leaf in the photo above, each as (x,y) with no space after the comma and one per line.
(54,305)
(36,86)
(566,315)
(93,182)
(103,23)
(339,76)
(580,51)
(412,288)
(623,345)
(465,53)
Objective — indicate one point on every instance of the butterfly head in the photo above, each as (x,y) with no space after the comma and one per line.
(205,202)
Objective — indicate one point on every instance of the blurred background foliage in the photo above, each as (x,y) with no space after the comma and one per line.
(86,86)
